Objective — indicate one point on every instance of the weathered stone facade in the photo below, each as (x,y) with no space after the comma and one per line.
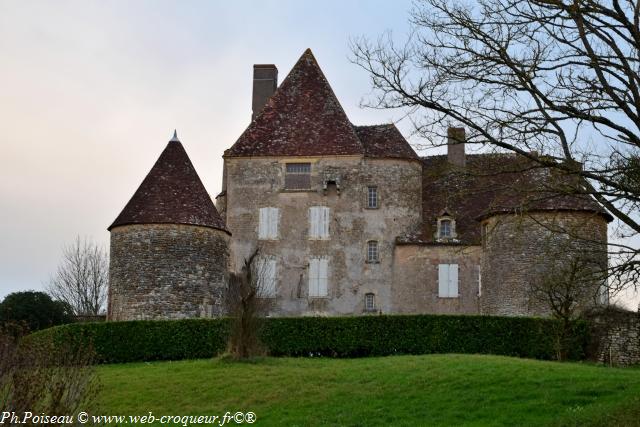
(519,249)
(415,279)
(259,182)
(166,271)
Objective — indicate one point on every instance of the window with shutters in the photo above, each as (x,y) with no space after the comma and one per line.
(448,280)
(266,272)
(318,277)
(268,224)
(319,222)
(372,251)
(297,176)
(372,197)
(369,302)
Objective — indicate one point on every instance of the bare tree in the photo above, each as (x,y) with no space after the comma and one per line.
(555,81)
(82,277)
(247,306)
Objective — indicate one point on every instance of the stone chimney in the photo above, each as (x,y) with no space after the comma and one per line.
(455,146)
(265,82)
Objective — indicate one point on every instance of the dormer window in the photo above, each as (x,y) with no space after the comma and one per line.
(446,227)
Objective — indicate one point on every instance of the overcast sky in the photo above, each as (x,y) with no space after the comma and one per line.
(90,93)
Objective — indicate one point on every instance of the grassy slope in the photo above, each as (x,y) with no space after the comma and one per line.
(403,390)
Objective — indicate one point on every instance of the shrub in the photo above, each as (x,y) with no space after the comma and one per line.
(146,340)
(41,377)
(35,309)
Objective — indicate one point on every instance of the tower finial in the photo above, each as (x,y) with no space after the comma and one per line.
(175,137)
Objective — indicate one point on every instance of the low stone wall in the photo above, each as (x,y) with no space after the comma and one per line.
(615,337)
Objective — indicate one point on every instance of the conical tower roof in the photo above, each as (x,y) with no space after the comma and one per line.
(302,118)
(171,193)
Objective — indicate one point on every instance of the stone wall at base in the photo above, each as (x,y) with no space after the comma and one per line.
(167,271)
(615,337)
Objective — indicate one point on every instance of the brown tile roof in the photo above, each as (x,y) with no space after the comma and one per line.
(171,193)
(490,184)
(384,141)
(302,118)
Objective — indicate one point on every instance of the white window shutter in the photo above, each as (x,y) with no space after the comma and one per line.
(313,277)
(270,273)
(318,222)
(323,275)
(325,222)
(443,280)
(312,222)
(453,280)
(273,223)
(263,229)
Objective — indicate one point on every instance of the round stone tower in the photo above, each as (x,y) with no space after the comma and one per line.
(169,246)
(521,249)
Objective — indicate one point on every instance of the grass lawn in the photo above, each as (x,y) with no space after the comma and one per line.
(432,390)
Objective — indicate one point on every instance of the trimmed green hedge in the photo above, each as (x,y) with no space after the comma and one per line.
(144,340)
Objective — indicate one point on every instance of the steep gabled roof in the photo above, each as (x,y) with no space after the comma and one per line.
(302,118)
(171,193)
(384,141)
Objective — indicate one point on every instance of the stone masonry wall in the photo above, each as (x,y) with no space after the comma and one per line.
(253,183)
(415,279)
(519,249)
(161,271)
(615,337)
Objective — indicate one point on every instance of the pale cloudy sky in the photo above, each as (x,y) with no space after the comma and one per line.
(90,92)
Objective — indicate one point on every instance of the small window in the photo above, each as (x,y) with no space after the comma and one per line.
(297,176)
(369,302)
(445,228)
(372,197)
(318,277)
(479,270)
(319,222)
(448,280)
(268,224)
(372,251)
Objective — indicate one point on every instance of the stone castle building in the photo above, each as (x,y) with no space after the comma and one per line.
(347,219)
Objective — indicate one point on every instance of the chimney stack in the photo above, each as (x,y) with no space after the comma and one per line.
(265,82)
(455,146)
